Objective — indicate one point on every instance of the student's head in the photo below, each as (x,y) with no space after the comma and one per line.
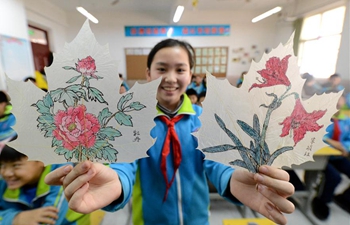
(122,89)
(32,79)
(192,94)
(198,79)
(335,79)
(201,97)
(17,171)
(4,101)
(172,60)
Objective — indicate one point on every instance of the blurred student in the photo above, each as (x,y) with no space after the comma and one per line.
(311,86)
(201,97)
(333,84)
(26,199)
(240,80)
(126,86)
(192,94)
(122,89)
(198,84)
(7,119)
(338,136)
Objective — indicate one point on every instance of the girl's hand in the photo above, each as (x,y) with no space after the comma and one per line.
(264,192)
(88,186)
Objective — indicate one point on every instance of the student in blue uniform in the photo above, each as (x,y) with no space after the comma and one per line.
(26,199)
(338,136)
(170,186)
(7,119)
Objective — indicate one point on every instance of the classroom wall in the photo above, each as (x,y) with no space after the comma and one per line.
(12,23)
(244,34)
(265,34)
(49,17)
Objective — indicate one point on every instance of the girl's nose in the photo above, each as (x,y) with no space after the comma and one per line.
(170,77)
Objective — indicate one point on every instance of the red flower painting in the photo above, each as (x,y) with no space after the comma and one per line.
(301,122)
(86,67)
(75,127)
(274,74)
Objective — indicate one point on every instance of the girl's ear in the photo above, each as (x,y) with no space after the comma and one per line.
(148,75)
(190,79)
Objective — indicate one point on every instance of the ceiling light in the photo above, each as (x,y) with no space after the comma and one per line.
(267,14)
(178,13)
(87,14)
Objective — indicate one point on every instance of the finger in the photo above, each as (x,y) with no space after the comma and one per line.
(76,202)
(50,214)
(271,212)
(46,220)
(274,172)
(77,171)
(283,188)
(55,177)
(77,183)
(280,202)
(51,208)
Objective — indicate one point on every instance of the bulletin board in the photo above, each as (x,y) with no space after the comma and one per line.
(213,59)
(136,63)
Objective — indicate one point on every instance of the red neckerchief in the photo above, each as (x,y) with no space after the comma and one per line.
(171,138)
(336,131)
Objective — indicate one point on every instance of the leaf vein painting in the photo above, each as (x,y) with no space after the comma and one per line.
(265,121)
(83,116)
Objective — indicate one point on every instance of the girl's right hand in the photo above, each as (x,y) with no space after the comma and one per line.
(88,186)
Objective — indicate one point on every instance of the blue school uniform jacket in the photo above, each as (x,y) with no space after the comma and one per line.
(188,198)
(15,201)
(342,128)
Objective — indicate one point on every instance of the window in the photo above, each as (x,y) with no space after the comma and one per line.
(319,42)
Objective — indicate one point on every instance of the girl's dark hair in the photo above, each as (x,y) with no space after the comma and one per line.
(9,154)
(172,43)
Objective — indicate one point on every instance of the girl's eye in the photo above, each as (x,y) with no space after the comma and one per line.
(161,69)
(180,70)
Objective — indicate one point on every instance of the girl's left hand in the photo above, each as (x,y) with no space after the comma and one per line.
(265,192)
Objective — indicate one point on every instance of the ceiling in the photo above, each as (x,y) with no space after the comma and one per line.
(169,5)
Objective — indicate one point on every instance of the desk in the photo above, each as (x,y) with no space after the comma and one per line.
(313,171)
(255,221)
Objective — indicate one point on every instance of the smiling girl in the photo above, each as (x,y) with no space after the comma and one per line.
(170,186)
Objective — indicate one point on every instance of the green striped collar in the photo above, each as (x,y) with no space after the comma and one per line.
(186,107)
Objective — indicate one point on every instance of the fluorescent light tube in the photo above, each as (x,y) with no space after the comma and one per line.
(267,14)
(87,14)
(178,13)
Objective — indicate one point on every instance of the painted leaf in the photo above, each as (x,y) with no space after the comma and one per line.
(265,120)
(83,116)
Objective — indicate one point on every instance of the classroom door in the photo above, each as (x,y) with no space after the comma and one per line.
(40,47)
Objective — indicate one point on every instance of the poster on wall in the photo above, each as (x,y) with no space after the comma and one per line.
(16,57)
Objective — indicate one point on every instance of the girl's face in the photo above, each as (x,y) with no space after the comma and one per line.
(172,64)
